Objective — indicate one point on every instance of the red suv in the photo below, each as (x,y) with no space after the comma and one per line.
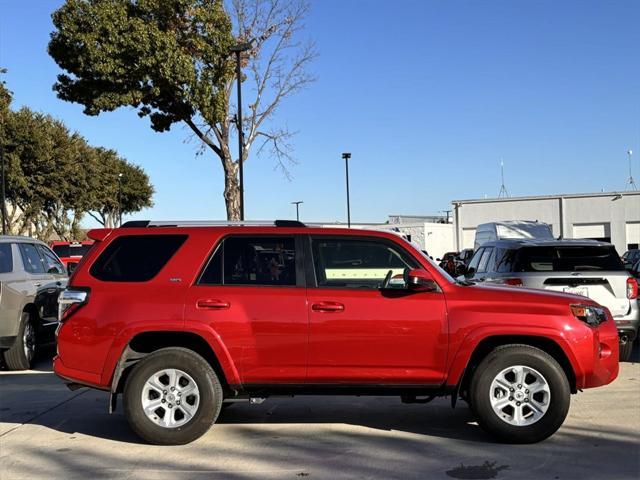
(184,318)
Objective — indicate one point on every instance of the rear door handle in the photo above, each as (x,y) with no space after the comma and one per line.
(213,304)
(327,307)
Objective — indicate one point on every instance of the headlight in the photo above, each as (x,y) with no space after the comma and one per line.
(589,314)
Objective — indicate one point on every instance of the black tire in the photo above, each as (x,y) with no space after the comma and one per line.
(20,355)
(210,396)
(625,350)
(512,355)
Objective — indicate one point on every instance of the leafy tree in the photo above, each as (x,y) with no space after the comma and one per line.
(118,188)
(169,59)
(54,177)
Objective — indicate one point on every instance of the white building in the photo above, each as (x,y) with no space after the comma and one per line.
(609,216)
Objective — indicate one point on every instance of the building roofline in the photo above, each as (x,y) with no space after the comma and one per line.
(545,197)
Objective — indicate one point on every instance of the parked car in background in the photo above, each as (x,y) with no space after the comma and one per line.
(70,253)
(465,255)
(448,262)
(31,278)
(587,268)
(635,271)
(512,229)
(630,258)
(180,318)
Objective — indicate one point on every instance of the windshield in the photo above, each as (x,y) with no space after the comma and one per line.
(78,250)
(568,259)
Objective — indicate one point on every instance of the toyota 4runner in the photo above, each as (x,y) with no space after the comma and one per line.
(182,319)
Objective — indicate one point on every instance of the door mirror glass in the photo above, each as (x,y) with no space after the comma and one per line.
(419,280)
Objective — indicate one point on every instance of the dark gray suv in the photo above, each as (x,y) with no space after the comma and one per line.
(31,278)
(582,267)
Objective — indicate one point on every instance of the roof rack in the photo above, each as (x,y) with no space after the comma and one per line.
(213,223)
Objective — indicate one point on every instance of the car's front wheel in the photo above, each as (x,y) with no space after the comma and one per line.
(172,397)
(520,394)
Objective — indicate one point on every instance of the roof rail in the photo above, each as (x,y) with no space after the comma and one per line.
(213,223)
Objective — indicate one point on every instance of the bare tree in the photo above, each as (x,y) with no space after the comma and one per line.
(276,68)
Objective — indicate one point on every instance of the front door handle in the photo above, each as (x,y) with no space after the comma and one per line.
(212,304)
(327,307)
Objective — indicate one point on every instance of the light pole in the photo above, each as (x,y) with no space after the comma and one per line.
(120,199)
(297,204)
(4,207)
(238,49)
(631,184)
(346,157)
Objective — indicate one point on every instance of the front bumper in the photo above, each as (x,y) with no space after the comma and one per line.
(600,366)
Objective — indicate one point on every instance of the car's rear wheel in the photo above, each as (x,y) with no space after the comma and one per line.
(20,355)
(172,397)
(625,349)
(520,394)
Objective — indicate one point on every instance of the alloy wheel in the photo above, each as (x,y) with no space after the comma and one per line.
(520,395)
(170,398)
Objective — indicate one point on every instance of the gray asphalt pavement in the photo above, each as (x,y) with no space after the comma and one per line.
(48,432)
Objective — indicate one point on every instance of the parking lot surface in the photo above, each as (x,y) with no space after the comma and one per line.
(46,431)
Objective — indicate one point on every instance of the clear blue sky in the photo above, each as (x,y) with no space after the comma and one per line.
(427,95)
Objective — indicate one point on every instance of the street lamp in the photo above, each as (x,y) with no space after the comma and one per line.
(297,204)
(238,49)
(346,157)
(120,199)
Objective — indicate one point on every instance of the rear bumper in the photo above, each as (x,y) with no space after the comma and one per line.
(628,324)
(70,375)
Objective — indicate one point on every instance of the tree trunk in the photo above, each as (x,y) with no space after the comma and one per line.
(231,190)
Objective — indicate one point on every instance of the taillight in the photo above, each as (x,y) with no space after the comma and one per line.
(70,300)
(512,281)
(632,288)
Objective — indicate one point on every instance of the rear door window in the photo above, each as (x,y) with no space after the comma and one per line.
(51,263)
(473,265)
(483,265)
(259,261)
(135,258)
(569,259)
(31,259)
(6,258)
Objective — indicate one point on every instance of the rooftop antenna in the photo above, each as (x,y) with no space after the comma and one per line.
(631,183)
(503,188)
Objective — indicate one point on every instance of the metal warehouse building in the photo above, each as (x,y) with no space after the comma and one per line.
(610,216)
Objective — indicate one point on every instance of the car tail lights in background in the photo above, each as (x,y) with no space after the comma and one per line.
(632,288)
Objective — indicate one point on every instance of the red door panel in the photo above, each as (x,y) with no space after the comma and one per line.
(265,329)
(366,336)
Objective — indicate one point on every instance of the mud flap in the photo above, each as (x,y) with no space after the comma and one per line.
(113,402)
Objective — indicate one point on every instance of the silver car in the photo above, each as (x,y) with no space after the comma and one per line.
(31,278)
(582,267)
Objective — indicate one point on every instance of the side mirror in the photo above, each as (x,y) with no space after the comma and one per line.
(419,280)
(54,270)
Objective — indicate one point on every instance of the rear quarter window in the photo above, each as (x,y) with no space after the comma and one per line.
(135,258)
